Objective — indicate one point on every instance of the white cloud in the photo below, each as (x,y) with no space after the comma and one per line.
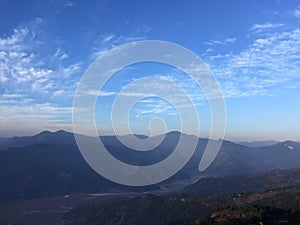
(28,76)
(265,26)
(69,70)
(221,42)
(165,86)
(105,93)
(296,12)
(22,67)
(175,88)
(107,38)
(108,42)
(68,3)
(60,54)
(16,118)
(270,62)
(13,96)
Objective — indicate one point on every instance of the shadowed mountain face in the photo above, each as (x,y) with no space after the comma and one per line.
(271,198)
(206,202)
(279,206)
(50,164)
(251,183)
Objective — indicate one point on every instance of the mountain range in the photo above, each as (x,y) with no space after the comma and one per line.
(49,164)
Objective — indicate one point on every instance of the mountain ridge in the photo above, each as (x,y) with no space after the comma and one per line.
(61,132)
(25,163)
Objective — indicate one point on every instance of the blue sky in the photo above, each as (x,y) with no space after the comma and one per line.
(252,47)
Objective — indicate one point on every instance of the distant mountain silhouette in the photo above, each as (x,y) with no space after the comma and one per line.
(50,164)
(60,137)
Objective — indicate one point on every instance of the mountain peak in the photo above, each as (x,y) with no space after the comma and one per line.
(174,132)
(62,132)
(45,132)
(290,145)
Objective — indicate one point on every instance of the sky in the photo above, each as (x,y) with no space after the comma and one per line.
(252,48)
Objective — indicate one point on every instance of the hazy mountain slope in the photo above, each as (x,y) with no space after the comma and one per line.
(47,170)
(256,144)
(283,155)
